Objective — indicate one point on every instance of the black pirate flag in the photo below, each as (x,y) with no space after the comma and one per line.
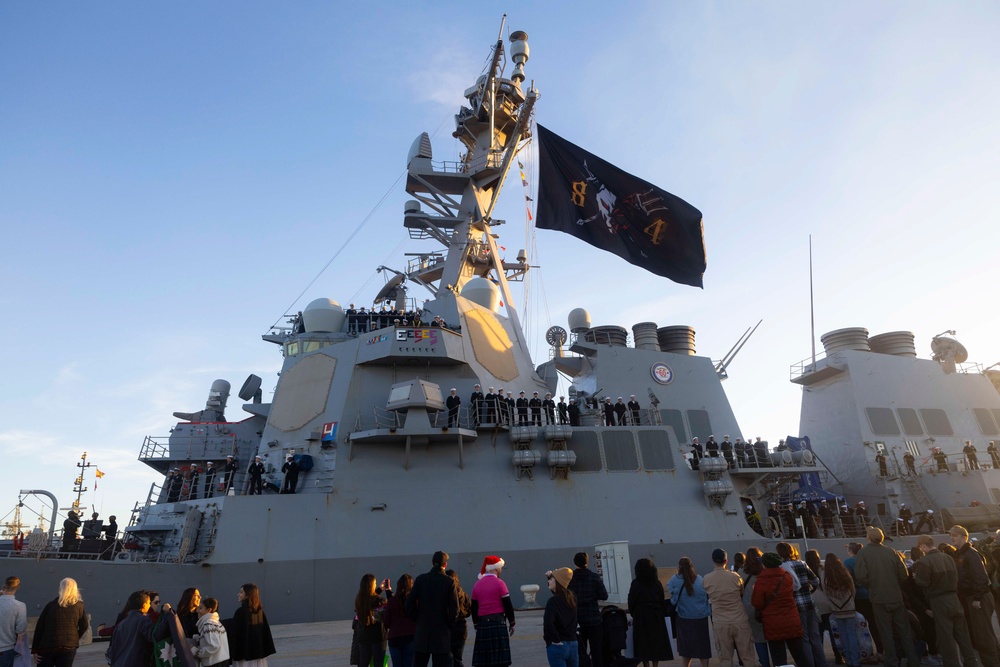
(595,201)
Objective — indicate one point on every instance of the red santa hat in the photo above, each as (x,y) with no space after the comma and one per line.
(490,565)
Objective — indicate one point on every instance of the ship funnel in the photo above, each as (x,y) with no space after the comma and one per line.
(519,54)
(853,338)
(897,343)
(676,339)
(644,336)
(611,334)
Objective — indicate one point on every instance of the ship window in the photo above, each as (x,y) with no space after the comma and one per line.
(882,421)
(657,454)
(996,494)
(292,349)
(701,426)
(986,424)
(936,421)
(311,345)
(996,416)
(619,451)
(911,423)
(588,453)
(676,419)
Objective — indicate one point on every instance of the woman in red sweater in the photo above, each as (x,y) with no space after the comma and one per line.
(774,599)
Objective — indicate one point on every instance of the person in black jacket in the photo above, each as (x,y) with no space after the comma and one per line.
(476,401)
(230,468)
(453,402)
(209,480)
(187,611)
(291,470)
(433,606)
(621,412)
(609,412)
(460,630)
(60,625)
(133,637)
(248,631)
(573,412)
(522,410)
(559,621)
(535,404)
(549,407)
(588,588)
(974,594)
(256,472)
(634,410)
(563,410)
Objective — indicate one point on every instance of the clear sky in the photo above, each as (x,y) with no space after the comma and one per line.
(173,176)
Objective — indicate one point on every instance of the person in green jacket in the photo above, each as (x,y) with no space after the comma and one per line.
(937,574)
(881,571)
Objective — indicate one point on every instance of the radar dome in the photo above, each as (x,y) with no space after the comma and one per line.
(482,292)
(323,316)
(579,320)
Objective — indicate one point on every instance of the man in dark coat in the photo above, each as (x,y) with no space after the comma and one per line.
(880,460)
(535,404)
(826,518)
(476,401)
(970,455)
(522,410)
(564,411)
(573,412)
(941,459)
(490,414)
(620,412)
(910,460)
(433,606)
(453,402)
(230,469)
(256,473)
(291,470)
(193,482)
(974,593)
(549,407)
(609,412)
(176,484)
(589,589)
(209,479)
(634,410)
(994,454)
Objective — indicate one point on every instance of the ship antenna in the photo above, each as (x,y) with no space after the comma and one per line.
(812,309)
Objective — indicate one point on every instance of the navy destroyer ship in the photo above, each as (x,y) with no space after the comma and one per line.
(389,472)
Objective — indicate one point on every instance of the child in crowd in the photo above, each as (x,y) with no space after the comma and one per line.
(211,646)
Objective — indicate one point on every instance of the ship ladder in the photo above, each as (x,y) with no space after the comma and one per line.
(918,492)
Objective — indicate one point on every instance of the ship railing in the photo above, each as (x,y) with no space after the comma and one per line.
(424,261)
(801,368)
(194,448)
(388,419)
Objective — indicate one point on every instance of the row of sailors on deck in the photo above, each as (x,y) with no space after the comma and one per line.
(362,321)
(500,408)
(743,453)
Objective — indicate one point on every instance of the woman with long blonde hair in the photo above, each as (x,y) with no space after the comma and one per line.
(61,624)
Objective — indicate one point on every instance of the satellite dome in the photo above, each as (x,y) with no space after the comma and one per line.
(579,320)
(482,292)
(324,316)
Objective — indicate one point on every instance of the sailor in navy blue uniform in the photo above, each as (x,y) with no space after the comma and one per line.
(453,402)
(256,472)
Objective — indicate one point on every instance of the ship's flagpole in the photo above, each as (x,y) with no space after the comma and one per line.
(812,309)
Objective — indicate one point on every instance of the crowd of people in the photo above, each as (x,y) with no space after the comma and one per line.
(500,407)
(933,604)
(833,518)
(146,631)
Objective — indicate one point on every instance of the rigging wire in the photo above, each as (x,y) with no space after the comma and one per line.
(350,237)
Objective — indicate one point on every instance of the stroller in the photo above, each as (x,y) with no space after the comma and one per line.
(616,625)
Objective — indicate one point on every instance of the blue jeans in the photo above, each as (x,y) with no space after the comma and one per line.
(7,658)
(847,628)
(762,654)
(402,656)
(564,655)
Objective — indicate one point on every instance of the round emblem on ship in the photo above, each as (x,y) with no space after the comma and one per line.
(661,373)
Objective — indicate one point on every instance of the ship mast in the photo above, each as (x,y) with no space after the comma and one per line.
(493,128)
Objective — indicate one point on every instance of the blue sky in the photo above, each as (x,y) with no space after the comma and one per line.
(172,176)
